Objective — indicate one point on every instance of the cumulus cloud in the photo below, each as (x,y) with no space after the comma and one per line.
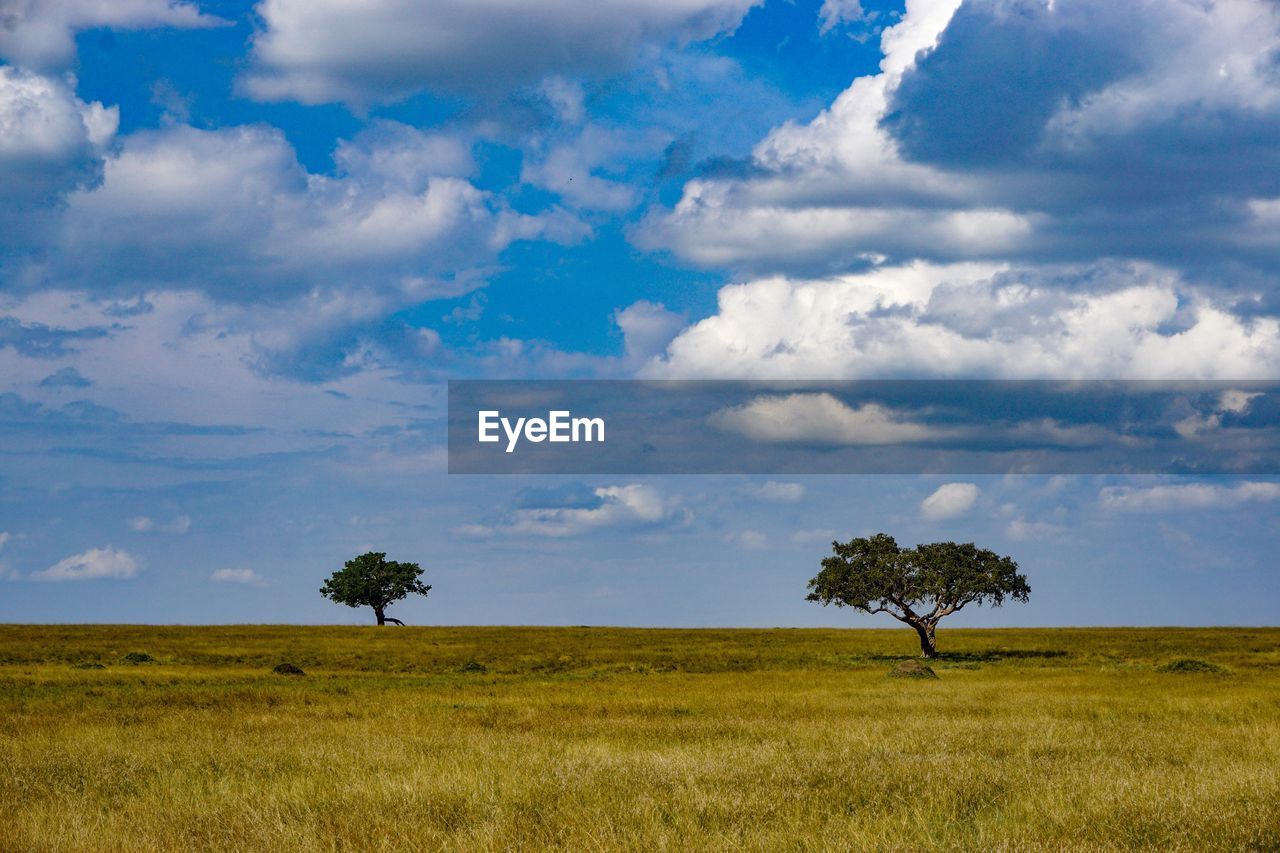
(1182,496)
(309,266)
(317,51)
(647,327)
(817,419)
(142,524)
(1107,321)
(949,500)
(51,143)
(1018,130)
(247,577)
(40,34)
(94,564)
(232,212)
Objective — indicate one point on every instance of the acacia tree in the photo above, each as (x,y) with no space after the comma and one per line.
(371,580)
(917,585)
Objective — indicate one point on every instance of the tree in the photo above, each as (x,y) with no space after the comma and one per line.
(917,585)
(371,580)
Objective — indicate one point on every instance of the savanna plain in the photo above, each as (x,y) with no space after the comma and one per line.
(179,738)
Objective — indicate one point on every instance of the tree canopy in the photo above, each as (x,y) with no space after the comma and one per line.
(371,580)
(917,586)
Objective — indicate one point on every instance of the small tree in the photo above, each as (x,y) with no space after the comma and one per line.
(371,580)
(918,585)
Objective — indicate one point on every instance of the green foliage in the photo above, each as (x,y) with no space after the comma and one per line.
(918,586)
(371,580)
(875,575)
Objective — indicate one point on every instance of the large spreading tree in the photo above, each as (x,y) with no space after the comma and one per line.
(917,586)
(371,580)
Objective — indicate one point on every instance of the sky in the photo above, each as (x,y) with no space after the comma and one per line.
(244,245)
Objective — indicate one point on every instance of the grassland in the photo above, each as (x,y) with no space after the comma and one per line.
(589,739)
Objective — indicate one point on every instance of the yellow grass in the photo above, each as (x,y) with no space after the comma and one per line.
(588,739)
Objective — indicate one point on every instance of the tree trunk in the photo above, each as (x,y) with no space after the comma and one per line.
(382,616)
(928,644)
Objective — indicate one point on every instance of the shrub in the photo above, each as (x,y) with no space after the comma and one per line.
(1189,665)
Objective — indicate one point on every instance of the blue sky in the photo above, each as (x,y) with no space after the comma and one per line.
(243,245)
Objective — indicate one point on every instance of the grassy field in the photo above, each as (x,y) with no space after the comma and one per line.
(600,738)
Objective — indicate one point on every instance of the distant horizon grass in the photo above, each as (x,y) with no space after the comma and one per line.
(128,737)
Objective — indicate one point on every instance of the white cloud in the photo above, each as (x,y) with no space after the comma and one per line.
(1232,401)
(1022,530)
(1182,496)
(50,141)
(817,419)
(231,211)
(1186,89)
(783,493)
(572,168)
(142,524)
(91,565)
(210,373)
(1236,401)
(965,320)
(833,13)
(317,51)
(835,192)
(634,505)
(242,576)
(933,263)
(647,328)
(949,500)
(41,33)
